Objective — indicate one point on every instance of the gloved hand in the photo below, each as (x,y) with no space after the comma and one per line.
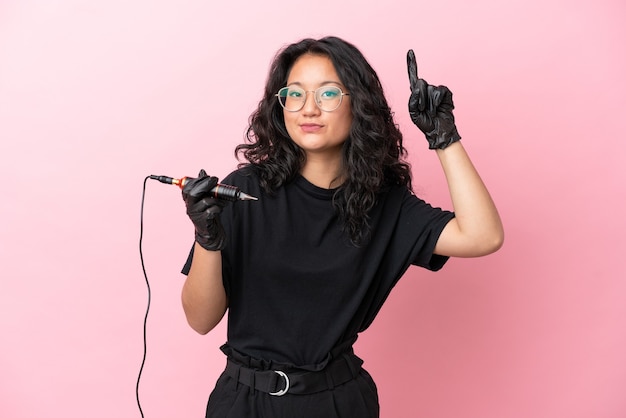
(204,210)
(431,108)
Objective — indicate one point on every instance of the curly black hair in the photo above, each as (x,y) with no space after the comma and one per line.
(373,154)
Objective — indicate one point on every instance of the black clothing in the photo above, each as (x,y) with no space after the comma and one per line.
(341,369)
(297,288)
(357,398)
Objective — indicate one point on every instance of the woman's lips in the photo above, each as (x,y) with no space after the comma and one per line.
(310,127)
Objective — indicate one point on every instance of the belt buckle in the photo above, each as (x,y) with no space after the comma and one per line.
(286,388)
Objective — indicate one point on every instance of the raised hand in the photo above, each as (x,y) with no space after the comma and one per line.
(431,108)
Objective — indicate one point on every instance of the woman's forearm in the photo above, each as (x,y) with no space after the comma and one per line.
(203,295)
(477,229)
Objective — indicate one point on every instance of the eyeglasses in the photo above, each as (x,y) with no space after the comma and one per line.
(327,98)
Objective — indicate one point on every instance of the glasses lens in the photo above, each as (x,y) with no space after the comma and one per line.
(328,98)
(292,98)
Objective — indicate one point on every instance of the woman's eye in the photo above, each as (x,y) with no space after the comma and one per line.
(329,94)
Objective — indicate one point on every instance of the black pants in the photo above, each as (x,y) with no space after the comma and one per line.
(357,398)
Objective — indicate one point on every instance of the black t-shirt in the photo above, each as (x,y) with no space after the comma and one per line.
(296,286)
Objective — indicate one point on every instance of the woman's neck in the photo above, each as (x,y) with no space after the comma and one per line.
(323,172)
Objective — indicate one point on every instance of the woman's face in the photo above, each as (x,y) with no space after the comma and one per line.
(318,132)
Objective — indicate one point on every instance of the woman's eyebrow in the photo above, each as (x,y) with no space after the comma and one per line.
(323,83)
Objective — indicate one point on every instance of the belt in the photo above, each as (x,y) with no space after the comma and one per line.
(278,383)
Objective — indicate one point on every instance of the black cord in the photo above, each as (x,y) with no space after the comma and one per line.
(145,320)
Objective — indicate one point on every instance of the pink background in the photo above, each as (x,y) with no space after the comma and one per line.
(95,96)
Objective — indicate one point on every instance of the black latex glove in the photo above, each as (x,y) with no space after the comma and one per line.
(431,108)
(204,210)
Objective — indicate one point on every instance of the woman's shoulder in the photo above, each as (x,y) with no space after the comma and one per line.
(244,175)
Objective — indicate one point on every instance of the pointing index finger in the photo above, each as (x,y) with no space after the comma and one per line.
(412,68)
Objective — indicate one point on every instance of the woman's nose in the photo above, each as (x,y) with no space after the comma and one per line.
(310,107)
